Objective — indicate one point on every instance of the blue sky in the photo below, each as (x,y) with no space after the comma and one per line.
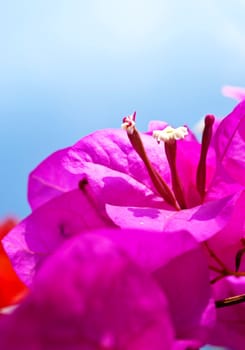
(70,67)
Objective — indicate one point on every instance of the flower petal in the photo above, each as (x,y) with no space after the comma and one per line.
(90,295)
(107,159)
(230,327)
(48,226)
(169,257)
(230,144)
(202,221)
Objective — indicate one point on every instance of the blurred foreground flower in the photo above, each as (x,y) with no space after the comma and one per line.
(106,290)
(11,288)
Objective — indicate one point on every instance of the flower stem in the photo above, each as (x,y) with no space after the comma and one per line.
(171,150)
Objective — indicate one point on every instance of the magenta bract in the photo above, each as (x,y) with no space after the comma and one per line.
(90,295)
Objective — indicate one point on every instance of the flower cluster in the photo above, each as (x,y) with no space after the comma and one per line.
(134,243)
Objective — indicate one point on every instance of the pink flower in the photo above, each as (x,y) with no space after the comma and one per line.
(113,186)
(106,290)
(137,184)
(114,178)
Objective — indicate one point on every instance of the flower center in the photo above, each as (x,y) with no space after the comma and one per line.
(175,195)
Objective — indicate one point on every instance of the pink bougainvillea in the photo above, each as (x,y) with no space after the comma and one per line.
(168,208)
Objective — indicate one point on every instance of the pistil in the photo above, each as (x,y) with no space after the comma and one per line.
(202,167)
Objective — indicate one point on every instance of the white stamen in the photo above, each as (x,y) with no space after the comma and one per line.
(129,123)
(169,134)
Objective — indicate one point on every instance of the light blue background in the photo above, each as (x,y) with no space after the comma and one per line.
(70,67)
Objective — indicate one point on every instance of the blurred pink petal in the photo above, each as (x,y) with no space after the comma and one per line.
(90,295)
(235,92)
(167,258)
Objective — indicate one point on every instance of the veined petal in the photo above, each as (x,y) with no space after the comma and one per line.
(103,154)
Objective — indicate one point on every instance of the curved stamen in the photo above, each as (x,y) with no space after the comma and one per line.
(156,178)
(159,183)
(201,169)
